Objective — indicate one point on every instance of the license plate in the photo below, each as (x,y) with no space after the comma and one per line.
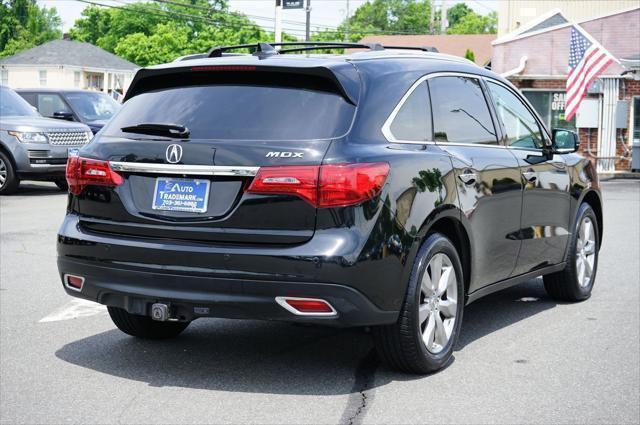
(73,151)
(187,195)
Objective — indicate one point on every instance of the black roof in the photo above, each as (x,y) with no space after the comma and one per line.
(68,52)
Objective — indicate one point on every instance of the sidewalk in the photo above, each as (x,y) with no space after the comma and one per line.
(618,175)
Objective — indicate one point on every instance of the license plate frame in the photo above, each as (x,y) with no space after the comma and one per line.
(181,202)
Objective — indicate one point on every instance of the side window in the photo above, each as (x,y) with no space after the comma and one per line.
(413,120)
(460,111)
(50,103)
(31,98)
(520,125)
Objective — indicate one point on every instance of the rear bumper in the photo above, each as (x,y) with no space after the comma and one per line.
(204,280)
(191,297)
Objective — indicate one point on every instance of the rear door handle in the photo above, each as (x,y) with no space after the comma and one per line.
(530,176)
(468,178)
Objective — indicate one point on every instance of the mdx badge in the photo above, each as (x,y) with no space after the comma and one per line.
(284,155)
(174,153)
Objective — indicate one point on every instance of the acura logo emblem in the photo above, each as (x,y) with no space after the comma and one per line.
(174,153)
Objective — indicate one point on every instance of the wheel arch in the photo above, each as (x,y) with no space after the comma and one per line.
(594,199)
(9,156)
(449,224)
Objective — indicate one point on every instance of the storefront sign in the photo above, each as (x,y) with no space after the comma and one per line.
(292,4)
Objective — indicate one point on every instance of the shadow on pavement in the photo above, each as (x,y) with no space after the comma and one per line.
(277,358)
(38,189)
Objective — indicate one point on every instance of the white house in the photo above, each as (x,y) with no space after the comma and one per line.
(67,64)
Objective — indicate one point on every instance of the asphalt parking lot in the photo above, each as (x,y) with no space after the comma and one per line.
(522,357)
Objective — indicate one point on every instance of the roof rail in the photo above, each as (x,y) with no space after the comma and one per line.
(267,49)
(421,48)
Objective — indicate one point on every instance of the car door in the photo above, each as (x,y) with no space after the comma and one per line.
(487,175)
(544,228)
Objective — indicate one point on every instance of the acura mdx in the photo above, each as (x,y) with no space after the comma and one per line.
(385,188)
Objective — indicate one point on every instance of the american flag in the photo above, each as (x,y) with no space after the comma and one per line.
(587,60)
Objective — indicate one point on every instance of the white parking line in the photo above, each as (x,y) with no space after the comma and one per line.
(74,309)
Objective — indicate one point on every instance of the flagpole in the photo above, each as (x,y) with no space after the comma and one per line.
(593,40)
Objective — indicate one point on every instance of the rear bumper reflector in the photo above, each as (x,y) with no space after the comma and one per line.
(307,306)
(73,282)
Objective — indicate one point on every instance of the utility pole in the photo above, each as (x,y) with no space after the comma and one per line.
(444,23)
(308,29)
(277,31)
(346,29)
(432,6)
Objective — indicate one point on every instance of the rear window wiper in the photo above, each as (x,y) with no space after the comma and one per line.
(159,129)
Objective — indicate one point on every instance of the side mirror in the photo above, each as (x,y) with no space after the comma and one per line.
(564,141)
(63,115)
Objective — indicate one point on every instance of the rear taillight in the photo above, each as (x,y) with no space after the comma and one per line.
(323,185)
(82,172)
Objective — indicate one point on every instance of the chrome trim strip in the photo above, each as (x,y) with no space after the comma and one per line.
(61,166)
(201,170)
(386,127)
(283,303)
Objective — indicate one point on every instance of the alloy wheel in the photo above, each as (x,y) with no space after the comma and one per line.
(438,303)
(585,252)
(3,173)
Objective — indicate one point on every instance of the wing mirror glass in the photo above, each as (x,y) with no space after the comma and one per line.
(63,115)
(565,141)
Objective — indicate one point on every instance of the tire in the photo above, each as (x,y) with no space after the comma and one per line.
(402,345)
(62,184)
(9,182)
(143,326)
(574,283)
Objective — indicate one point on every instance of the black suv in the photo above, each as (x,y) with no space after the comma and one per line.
(384,188)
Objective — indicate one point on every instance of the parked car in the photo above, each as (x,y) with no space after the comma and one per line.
(89,107)
(385,188)
(33,147)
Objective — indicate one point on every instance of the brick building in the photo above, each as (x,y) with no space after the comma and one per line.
(535,58)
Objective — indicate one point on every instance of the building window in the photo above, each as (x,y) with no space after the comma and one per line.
(4,77)
(76,78)
(43,77)
(550,106)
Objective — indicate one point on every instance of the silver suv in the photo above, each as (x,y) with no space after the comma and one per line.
(33,147)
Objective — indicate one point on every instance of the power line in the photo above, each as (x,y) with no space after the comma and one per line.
(271,19)
(141,9)
(165,13)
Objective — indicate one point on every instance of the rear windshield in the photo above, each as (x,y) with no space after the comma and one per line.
(240,112)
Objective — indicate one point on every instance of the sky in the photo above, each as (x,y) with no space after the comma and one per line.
(323,12)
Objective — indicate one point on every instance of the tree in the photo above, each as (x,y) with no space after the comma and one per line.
(457,12)
(406,17)
(23,24)
(470,55)
(148,33)
(472,23)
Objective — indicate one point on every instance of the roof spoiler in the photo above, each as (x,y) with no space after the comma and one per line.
(342,76)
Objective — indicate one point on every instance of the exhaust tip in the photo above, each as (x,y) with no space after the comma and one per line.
(73,282)
(307,306)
